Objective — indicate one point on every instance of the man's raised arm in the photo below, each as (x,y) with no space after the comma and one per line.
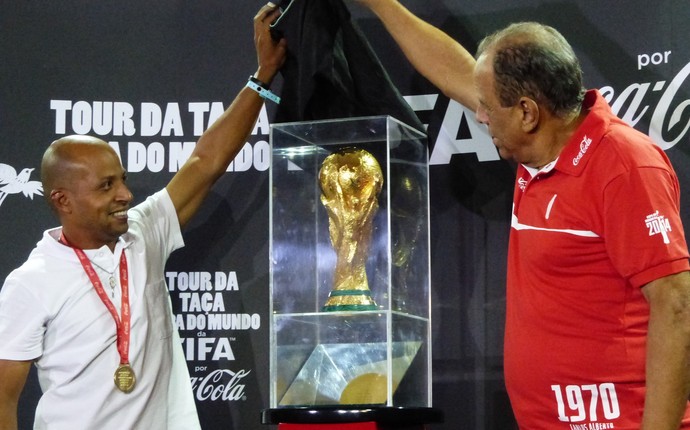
(434,54)
(221,142)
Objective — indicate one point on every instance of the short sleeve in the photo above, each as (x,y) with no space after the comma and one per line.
(643,229)
(22,322)
(156,221)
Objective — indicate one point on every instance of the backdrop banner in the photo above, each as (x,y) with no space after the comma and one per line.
(149,77)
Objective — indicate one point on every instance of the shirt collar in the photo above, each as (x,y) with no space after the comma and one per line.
(123,241)
(577,152)
(546,169)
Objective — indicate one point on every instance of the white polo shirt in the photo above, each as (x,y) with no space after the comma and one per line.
(50,313)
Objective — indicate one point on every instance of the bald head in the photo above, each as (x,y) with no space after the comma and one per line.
(534,60)
(67,158)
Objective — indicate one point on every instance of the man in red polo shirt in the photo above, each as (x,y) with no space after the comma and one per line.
(598,294)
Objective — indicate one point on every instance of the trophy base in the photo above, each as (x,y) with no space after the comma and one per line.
(349,308)
(349,300)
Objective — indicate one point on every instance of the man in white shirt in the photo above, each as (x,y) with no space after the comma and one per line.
(90,307)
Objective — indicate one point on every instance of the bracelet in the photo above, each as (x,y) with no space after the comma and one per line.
(262,89)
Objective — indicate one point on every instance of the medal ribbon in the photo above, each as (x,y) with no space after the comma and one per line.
(123,324)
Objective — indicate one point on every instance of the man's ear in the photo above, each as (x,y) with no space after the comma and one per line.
(60,201)
(530,114)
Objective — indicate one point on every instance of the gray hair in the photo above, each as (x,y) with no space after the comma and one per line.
(535,60)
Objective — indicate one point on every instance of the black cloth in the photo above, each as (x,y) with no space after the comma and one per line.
(331,71)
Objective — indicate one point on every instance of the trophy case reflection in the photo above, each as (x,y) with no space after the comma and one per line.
(349,264)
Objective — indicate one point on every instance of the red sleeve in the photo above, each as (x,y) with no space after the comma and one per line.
(643,229)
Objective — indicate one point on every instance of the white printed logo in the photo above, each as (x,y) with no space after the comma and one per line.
(590,402)
(220,384)
(522,183)
(584,146)
(658,224)
(13,183)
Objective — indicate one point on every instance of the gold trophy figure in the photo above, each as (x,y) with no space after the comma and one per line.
(351,181)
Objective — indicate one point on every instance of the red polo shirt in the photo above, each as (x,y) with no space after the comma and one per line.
(586,234)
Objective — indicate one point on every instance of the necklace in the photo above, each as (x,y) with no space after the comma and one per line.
(110,273)
(111,276)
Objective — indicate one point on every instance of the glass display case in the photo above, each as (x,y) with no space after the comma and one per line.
(349,268)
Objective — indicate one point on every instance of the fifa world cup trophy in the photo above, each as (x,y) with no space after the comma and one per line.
(351,180)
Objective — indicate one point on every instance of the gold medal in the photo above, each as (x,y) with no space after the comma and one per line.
(124,378)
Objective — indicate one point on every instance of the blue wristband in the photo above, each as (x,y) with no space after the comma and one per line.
(260,88)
